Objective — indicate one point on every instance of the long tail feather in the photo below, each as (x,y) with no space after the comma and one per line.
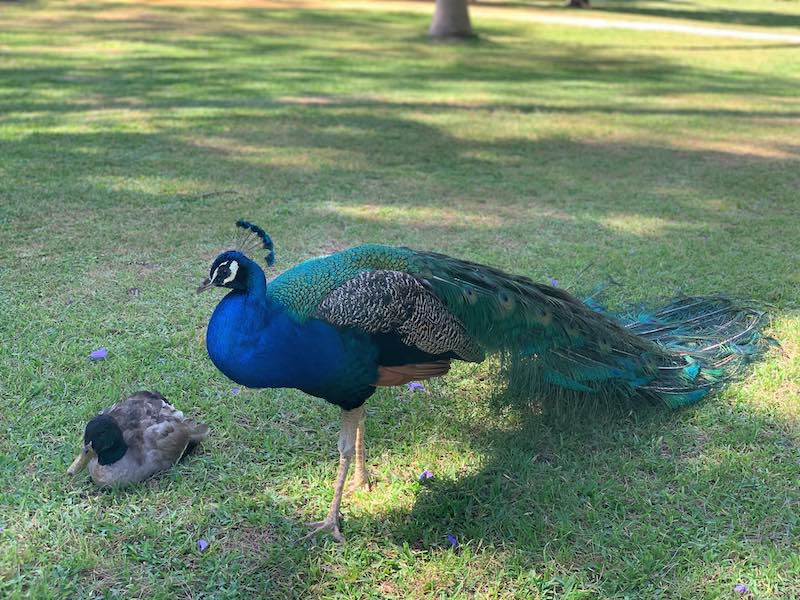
(552,344)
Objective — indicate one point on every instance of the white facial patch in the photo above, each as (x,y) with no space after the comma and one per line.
(234,267)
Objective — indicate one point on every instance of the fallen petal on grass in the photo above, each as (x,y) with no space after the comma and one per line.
(452,540)
(553,281)
(425,475)
(99,354)
(202,545)
(741,588)
(235,391)
(415,386)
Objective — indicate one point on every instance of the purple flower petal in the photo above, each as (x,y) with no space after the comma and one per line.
(99,354)
(235,391)
(202,545)
(553,282)
(70,301)
(415,386)
(453,540)
(425,475)
(741,588)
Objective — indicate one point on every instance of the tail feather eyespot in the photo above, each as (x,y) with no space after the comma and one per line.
(506,301)
(544,317)
(469,295)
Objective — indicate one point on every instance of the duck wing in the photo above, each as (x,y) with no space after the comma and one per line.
(156,432)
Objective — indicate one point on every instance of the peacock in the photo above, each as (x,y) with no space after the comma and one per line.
(339,326)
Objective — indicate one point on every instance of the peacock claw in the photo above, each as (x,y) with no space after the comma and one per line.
(329,524)
(360,481)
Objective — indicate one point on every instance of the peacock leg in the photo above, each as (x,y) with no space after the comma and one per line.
(360,478)
(347,445)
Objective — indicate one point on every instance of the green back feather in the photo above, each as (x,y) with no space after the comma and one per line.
(302,288)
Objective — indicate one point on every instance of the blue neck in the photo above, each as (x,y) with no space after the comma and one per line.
(256,291)
(254,341)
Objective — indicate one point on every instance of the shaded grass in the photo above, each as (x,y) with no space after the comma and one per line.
(758,13)
(132,136)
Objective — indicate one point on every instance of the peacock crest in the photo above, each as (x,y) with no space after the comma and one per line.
(254,238)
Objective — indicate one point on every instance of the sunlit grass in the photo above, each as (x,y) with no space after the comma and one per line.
(133,135)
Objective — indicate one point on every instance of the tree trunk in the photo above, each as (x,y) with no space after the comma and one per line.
(451,19)
(579,4)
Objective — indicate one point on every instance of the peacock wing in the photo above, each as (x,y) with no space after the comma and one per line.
(397,309)
(401,374)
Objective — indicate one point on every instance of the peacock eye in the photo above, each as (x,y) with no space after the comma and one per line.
(226,272)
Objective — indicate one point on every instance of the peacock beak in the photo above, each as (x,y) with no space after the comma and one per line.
(81,460)
(206,285)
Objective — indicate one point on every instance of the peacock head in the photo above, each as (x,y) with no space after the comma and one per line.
(230,269)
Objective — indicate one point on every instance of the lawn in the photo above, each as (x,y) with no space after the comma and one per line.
(760,13)
(133,135)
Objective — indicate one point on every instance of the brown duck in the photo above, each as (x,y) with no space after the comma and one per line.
(135,439)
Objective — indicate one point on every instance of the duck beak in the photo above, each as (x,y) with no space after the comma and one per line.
(206,285)
(81,460)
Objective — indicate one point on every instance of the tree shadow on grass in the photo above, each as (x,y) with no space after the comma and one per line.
(765,18)
(671,9)
(387,168)
(243,58)
(654,498)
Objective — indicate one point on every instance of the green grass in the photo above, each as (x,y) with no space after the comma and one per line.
(132,136)
(759,13)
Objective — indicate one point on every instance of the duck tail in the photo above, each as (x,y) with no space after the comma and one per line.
(197,433)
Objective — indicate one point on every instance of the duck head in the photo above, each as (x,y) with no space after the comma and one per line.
(102,438)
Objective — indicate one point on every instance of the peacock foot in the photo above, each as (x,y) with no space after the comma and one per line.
(360,481)
(329,524)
